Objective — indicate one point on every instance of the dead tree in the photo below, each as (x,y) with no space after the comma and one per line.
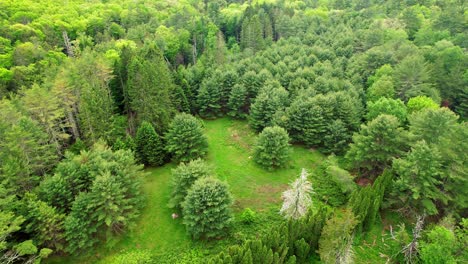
(68,45)
(411,250)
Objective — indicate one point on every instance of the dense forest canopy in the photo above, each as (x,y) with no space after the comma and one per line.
(99,99)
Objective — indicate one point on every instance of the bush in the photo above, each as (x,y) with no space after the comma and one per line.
(248,216)
(207,208)
(272,148)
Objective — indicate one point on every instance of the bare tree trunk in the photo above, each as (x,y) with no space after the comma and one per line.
(411,250)
(67,44)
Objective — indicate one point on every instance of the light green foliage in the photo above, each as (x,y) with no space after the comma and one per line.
(377,143)
(183,178)
(248,216)
(388,107)
(439,247)
(432,125)
(207,209)
(335,245)
(383,87)
(272,148)
(134,257)
(185,139)
(149,145)
(418,103)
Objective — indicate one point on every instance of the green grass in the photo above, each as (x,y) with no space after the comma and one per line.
(230,152)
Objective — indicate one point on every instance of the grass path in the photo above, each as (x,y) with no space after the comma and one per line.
(230,151)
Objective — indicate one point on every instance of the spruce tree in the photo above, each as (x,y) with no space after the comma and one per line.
(237,103)
(271,150)
(185,139)
(149,145)
(207,209)
(209,98)
(183,178)
(272,98)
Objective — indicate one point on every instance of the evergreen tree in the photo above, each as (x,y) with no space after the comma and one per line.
(209,98)
(237,103)
(266,104)
(149,146)
(149,89)
(207,209)
(183,178)
(378,142)
(297,200)
(272,148)
(419,183)
(432,125)
(185,139)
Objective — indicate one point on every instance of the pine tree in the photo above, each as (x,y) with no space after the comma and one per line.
(185,139)
(297,200)
(207,209)
(272,148)
(237,103)
(183,178)
(209,98)
(378,142)
(270,100)
(149,89)
(149,146)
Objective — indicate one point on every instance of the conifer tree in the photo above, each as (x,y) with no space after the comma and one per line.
(270,100)
(272,148)
(297,200)
(183,178)
(207,209)
(185,139)
(237,103)
(209,98)
(149,146)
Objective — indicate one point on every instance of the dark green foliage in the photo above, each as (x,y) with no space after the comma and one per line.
(44,222)
(270,100)
(185,139)
(333,185)
(237,103)
(209,98)
(183,178)
(378,142)
(290,242)
(149,89)
(149,145)
(207,209)
(99,190)
(272,148)
(366,202)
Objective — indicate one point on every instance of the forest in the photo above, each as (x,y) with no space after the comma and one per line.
(233,131)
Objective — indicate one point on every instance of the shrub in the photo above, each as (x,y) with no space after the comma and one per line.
(248,216)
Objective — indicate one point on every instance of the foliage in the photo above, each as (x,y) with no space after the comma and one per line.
(378,142)
(388,107)
(206,209)
(185,139)
(272,148)
(183,178)
(269,100)
(149,145)
(335,245)
(419,103)
(248,216)
(297,200)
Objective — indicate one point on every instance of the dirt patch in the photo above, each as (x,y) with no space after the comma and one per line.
(265,195)
(237,138)
(363,182)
